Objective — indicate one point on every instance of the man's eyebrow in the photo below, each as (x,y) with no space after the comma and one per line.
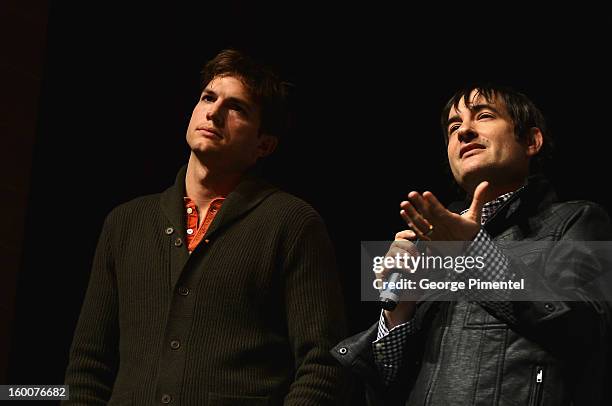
(453,119)
(242,102)
(475,108)
(484,106)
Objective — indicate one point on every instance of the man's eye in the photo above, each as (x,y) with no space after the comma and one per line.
(485,115)
(207,98)
(453,128)
(239,109)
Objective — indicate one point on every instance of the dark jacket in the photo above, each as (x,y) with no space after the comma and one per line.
(489,353)
(247,319)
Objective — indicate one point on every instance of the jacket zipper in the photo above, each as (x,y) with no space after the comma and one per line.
(536,399)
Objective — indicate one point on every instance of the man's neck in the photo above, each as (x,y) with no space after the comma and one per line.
(203,183)
(495,190)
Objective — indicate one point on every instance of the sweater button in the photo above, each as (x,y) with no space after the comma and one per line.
(342,350)
(169,230)
(175,344)
(183,291)
(166,398)
(178,242)
(549,306)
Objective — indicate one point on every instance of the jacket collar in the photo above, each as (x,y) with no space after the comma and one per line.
(537,194)
(248,194)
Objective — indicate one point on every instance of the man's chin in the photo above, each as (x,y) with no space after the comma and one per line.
(469,180)
(205,148)
(206,155)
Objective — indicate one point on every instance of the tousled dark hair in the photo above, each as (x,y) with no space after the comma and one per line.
(266,88)
(522,111)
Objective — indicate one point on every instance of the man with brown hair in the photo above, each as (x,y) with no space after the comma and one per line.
(222,290)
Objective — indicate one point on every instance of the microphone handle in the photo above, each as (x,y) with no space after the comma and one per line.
(389,298)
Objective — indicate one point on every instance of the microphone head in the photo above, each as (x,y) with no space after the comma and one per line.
(389,298)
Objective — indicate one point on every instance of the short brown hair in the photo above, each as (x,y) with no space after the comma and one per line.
(265,87)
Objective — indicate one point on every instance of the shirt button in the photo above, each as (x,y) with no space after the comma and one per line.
(178,242)
(189,210)
(183,291)
(175,344)
(343,350)
(169,230)
(166,398)
(549,306)
(189,231)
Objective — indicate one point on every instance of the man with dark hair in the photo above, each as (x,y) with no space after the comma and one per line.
(222,290)
(544,345)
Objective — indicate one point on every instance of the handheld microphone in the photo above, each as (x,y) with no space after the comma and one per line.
(389,298)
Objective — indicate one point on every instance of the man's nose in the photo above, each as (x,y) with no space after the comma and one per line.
(215,113)
(466,133)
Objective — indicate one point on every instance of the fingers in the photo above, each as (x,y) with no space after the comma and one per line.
(479,200)
(479,196)
(408,235)
(414,219)
(422,213)
(419,203)
(399,249)
(435,207)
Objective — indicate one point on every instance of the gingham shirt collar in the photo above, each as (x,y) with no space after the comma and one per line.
(491,207)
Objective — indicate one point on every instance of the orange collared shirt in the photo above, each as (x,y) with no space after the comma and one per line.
(195,233)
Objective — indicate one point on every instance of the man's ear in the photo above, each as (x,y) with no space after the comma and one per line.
(535,140)
(267,145)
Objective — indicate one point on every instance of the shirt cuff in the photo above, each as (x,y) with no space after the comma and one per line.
(388,348)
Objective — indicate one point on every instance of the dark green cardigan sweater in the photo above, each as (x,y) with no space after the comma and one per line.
(247,319)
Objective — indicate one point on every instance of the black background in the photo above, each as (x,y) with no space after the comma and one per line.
(120,83)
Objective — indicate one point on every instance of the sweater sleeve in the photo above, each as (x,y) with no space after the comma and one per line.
(315,317)
(93,360)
